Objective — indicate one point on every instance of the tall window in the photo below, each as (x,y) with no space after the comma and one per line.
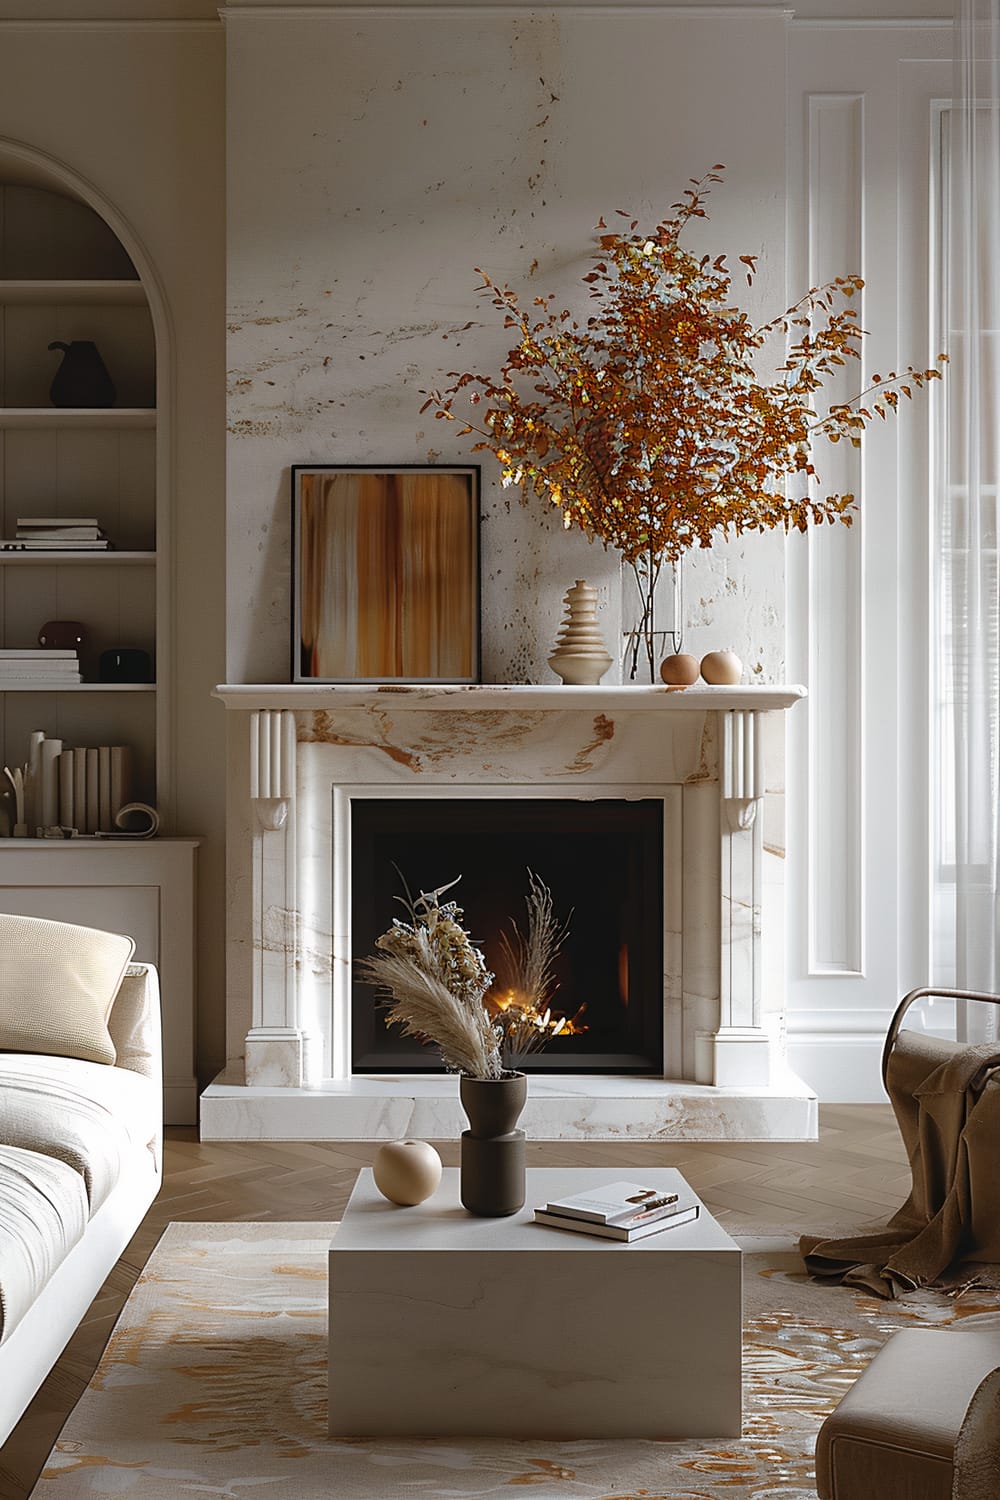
(966,661)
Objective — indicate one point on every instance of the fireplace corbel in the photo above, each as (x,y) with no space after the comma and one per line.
(275,1044)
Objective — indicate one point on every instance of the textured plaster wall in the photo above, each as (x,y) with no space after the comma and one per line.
(373,163)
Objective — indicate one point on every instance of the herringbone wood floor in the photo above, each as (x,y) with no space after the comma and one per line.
(855,1173)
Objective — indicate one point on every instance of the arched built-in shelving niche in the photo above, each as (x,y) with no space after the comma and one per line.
(72,269)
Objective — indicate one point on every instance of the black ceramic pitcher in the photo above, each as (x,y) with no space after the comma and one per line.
(82,379)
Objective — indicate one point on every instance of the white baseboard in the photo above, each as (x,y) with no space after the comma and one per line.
(843,1064)
(840,1068)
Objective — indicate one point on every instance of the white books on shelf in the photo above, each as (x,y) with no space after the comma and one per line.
(622,1232)
(42,679)
(66,812)
(93,794)
(113,772)
(616,1203)
(104,815)
(59,533)
(53,544)
(79,791)
(47,668)
(37,654)
(47,521)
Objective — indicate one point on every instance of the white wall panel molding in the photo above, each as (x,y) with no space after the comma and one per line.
(860,113)
(836,143)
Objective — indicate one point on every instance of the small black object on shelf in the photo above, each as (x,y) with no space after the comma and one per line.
(125,664)
(82,379)
(62,635)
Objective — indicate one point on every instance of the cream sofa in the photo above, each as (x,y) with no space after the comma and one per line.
(80,1163)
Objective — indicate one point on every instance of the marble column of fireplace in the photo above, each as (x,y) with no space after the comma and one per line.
(300,755)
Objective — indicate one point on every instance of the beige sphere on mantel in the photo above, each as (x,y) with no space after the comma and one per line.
(406,1172)
(722,668)
(680,670)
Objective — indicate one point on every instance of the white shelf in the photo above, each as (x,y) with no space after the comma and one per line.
(514,697)
(70,293)
(56,555)
(78,687)
(77,416)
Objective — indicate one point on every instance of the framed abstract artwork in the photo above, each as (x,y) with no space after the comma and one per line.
(385,573)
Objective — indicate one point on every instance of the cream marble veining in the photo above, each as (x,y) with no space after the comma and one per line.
(558,1109)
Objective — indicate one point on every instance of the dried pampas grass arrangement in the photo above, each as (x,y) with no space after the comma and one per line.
(529,980)
(435,981)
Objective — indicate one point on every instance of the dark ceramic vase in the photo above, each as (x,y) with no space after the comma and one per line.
(492,1174)
(82,379)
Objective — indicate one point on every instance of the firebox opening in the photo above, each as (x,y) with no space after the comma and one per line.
(602,859)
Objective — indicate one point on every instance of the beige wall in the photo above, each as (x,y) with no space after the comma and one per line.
(139,113)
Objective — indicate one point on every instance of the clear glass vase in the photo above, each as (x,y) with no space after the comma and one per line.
(652,615)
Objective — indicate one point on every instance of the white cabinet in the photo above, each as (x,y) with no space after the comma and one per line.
(145,888)
(64,276)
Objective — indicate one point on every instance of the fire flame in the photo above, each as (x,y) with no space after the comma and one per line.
(523,1017)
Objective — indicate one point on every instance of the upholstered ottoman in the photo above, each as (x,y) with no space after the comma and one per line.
(898,1432)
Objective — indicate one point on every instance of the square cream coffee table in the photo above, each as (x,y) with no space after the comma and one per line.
(446,1324)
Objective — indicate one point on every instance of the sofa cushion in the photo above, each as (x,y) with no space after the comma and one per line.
(80,1113)
(57,986)
(43,1214)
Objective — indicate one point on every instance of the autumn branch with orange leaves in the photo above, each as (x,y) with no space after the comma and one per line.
(647,423)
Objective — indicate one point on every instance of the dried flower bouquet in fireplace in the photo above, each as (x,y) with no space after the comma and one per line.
(434,982)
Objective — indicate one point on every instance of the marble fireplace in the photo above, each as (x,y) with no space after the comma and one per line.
(303,760)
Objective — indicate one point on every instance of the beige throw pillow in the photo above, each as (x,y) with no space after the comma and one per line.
(57,985)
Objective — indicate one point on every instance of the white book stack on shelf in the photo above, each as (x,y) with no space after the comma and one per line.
(620,1211)
(49,669)
(57,534)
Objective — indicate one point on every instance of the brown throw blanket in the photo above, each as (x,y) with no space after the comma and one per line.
(946,1097)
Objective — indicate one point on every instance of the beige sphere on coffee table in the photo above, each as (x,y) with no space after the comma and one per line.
(722,668)
(406,1172)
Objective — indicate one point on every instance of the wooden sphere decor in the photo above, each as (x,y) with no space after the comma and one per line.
(722,668)
(680,670)
(406,1172)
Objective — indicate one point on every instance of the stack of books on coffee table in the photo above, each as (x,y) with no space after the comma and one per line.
(620,1211)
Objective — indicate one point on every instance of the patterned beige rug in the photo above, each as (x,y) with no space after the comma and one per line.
(214,1385)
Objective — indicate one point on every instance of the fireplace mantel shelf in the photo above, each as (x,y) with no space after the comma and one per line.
(513,697)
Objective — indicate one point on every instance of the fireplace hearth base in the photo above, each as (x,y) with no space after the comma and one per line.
(426,1107)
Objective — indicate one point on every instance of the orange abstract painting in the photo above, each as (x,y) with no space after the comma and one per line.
(386,574)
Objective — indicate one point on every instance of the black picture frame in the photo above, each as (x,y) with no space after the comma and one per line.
(386,573)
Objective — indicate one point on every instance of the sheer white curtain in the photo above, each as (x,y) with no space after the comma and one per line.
(968,616)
